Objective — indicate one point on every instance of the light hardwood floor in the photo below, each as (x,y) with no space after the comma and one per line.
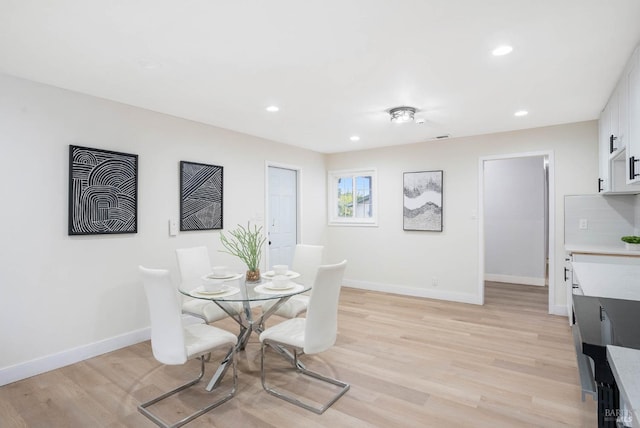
(411,363)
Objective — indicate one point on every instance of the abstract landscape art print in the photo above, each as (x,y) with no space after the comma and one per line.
(103,191)
(200,196)
(422,195)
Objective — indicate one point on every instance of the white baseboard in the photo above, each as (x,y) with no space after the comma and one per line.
(70,356)
(413,291)
(526,280)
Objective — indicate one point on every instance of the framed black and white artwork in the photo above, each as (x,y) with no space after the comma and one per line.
(200,196)
(103,191)
(422,201)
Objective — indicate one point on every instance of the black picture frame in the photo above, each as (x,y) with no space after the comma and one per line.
(422,201)
(201,196)
(103,191)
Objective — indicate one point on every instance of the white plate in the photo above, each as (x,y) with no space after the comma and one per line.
(227,276)
(223,289)
(271,286)
(264,289)
(228,291)
(290,274)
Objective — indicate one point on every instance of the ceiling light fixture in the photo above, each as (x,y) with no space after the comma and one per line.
(521,113)
(354,138)
(272,109)
(402,114)
(502,50)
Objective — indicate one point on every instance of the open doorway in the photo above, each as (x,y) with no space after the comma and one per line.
(516,228)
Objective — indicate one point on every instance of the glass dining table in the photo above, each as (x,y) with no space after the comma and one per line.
(236,292)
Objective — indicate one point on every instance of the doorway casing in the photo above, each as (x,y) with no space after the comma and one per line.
(553,309)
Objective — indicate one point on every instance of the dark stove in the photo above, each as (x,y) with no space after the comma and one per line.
(600,322)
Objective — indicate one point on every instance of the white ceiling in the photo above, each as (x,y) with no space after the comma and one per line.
(334,67)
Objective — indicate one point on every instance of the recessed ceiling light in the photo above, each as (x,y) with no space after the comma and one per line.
(420,121)
(502,50)
(521,113)
(354,138)
(273,109)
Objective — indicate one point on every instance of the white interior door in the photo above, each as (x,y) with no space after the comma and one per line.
(283,215)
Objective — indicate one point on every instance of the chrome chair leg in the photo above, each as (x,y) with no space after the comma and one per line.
(344,387)
(221,371)
(142,408)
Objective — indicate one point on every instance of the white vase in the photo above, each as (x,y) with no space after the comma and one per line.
(632,247)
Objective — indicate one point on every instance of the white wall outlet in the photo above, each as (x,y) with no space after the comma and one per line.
(173,227)
(434,282)
(583,224)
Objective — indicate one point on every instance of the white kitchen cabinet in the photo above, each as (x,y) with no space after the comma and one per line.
(604,180)
(633,99)
(611,146)
(613,108)
(619,134)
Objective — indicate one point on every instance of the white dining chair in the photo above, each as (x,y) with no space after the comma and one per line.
(311,335)
(194,263)
(174,343)
(306,260)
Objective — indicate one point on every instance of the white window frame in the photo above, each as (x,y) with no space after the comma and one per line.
(332,194)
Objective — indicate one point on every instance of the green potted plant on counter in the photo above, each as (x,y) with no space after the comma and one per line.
(631,242)
(246,244)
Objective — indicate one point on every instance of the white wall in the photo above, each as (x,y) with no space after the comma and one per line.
(514,213)
(390,259)
(65,298)
(68,298)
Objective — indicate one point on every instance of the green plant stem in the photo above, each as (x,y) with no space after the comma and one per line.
(246,244)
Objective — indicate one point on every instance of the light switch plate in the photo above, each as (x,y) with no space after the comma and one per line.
(583,224)
(173,227)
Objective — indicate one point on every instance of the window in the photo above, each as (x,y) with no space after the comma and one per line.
(352,197)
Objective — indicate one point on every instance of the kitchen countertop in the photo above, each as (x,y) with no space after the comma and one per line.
(625,365)
(615,281)
(613,250)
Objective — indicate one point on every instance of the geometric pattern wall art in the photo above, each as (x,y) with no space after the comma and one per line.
(422,201)
(103,192)
(200,196)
